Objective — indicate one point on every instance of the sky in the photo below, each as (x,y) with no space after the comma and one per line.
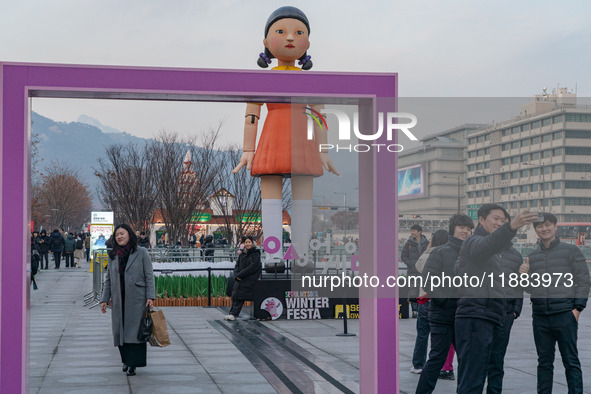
(438,48)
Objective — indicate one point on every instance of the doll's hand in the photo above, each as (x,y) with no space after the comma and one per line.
(245,160)
(327,163)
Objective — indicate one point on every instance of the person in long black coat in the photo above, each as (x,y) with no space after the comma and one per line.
(43,248)
(56,245)
(246,273)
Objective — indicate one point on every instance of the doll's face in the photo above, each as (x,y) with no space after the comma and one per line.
(287,39)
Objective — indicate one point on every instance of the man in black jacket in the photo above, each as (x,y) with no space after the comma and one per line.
(56,245)
(556,308)
(442,308)
(43,248)
(411,251)
(481,306)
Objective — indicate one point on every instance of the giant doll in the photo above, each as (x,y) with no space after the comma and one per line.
(284,151)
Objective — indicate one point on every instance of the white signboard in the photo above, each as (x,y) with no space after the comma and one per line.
(102,218)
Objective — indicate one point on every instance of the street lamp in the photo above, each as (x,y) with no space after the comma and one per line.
(459,197)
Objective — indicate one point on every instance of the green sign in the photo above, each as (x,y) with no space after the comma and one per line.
(249,217)
(201,217)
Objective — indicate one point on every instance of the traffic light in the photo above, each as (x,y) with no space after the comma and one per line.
(416,216)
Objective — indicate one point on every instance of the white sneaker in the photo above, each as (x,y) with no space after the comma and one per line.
(230,317)
(416,370)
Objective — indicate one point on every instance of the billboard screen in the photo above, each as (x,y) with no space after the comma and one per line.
(411,182)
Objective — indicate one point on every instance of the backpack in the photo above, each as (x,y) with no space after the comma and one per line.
(79,244)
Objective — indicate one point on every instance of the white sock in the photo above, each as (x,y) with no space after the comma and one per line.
(301,227)
(272,219)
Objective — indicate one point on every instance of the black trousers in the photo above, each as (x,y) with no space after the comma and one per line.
(69,259)
(562,328)
(236,307)
(442,336)
(474,338)
(133,354)
(497,358)
(57,257)
(44,255)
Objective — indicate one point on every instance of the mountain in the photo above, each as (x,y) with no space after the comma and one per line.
(78,145)
(96,123)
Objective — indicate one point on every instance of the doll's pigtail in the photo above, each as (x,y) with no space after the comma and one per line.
(305,61)
(263,61)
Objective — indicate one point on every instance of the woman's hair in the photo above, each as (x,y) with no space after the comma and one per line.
(132,240)
(439,238)
(242,239)
(284,13)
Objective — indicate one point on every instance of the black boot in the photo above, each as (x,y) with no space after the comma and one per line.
(125,368)
(131,371)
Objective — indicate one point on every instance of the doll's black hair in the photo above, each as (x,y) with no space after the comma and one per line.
(282,13)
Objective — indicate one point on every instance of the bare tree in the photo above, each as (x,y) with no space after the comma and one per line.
(61,200)
(345,220)
(184,184)
(128,186)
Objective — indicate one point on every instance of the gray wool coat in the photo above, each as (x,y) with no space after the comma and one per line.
(139,286)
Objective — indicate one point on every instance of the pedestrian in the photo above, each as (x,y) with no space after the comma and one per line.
(208,248)
(442,305)
(43,248)
(143,240)
(411,251)
(79,251)
(246,272)
(419,355)
(481,308)
(56,246)
(511,261)
(87,247)
(192,240)
(557,308)
(129,286)
(69,247)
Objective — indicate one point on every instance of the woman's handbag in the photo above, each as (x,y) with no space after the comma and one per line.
(145,331)
(159,336)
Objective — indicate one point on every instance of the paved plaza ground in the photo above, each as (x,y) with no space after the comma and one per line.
(71,351)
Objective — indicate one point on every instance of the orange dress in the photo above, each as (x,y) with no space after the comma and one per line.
(283,148)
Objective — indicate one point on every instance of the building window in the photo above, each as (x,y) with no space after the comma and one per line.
(525,127)
(536,124)
(578,167)
(546,186)
(471,167)
(470,194)
(524,173)
(535,171)
(523,204)
(487,193)
(471,181)
(472,141)
(514,189)
(514,159)
(472,154)
(524,158)
(585,134)
(546,154)
(535,155)
(557,168)
(480,138)
(524,188)
(504,176)
(487,179)
(487,137)
(533,203)
(479,193)
(535,140)
(557,135)
(557,119)
(505,161)
(525,142)
(556,185)
(577,184)
(479,166)
(556,201)
(557,152)
(506,147)
(578,117)
(547,170)
(547,122)
(515,145)
(487,165)
(546,137)
(513,205)
(577,150)
(515,175)
(535,187)
(515,130)
(585,201)
(505,191)
(545,202)
(487,151)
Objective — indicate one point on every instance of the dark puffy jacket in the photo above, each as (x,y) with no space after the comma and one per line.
(208,245)
(143,242)
(43,243)
(481,256)
(441,261)
(248,269)
(56,242)
(511,260)
(559,258)
(69,244)
(411,252)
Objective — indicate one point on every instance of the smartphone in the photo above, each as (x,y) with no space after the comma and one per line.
(540,217)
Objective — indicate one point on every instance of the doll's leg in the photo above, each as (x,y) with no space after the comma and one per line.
(272,214)
(301,217)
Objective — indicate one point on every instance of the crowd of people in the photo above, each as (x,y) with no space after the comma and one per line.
(476,321)
(72,247)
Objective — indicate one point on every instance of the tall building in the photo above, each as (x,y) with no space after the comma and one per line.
(540,160)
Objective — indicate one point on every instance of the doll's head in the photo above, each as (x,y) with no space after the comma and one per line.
(286,20)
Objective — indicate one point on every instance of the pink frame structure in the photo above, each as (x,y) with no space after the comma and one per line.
(378,218)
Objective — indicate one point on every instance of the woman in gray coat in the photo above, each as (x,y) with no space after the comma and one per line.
(129,286)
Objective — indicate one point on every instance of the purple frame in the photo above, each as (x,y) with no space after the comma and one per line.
(378,225)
